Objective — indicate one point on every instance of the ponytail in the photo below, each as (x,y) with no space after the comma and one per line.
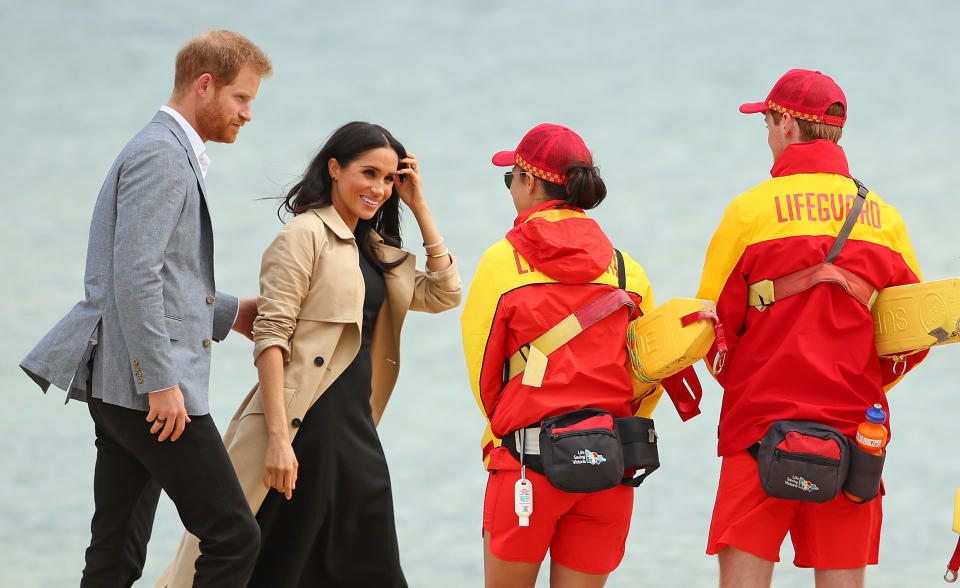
(584,188)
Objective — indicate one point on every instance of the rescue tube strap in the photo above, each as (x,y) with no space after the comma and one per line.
(621,271)
(851,220)
(765,292)
(531,359)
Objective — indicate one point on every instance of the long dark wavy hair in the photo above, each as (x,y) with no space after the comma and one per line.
(314,188)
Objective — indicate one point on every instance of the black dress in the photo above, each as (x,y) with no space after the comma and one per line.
(338,529)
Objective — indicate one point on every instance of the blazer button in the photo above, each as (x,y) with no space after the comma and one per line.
(318,361)
(206,343)
(210,299)
(295,423)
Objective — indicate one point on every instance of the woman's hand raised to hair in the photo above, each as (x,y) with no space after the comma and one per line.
(411,192)
(409,185)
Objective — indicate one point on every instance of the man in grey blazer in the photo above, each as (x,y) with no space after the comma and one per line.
(137,348)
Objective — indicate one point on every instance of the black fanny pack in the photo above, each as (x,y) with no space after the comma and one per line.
(589,450)
(812,462)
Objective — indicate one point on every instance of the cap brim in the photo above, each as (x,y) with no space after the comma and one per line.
(753,107)
(504,158)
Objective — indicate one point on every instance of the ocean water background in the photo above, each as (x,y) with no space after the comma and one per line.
(653,87)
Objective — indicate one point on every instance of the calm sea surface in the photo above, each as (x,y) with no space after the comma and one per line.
(653,87)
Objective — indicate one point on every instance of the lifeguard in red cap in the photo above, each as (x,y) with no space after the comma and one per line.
(793,289)
(554,263)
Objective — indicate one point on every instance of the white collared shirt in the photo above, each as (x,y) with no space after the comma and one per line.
(199,149)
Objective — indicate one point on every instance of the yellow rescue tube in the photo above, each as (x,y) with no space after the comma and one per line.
(916,316)
(956,512)
(659,344)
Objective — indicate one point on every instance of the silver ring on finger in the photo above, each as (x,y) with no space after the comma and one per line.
(161,421)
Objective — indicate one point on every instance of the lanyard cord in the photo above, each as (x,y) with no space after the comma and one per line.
(523,446)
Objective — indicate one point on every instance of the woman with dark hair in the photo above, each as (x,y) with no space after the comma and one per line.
(524,368)
(334,289)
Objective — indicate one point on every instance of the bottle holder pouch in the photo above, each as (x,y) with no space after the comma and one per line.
(863,479)
(639,441)
(803,460)
(580,451)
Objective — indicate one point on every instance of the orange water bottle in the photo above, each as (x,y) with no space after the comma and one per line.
(871,434)
(871,437)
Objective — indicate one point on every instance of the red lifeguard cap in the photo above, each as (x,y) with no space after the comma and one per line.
(805,95)
(545,151)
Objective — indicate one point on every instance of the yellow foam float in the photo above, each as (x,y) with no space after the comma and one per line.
(659,344)
(917,316)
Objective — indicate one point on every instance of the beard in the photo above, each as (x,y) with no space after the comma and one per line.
(214,125)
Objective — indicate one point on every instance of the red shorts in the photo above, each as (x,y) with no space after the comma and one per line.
(833,535)
(584,532)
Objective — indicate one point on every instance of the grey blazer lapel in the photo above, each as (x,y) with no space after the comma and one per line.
(175,128)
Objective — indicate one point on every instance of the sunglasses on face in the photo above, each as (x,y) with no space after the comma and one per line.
(508,177)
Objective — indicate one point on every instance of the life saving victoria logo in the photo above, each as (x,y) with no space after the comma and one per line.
(801,483)
(587,456)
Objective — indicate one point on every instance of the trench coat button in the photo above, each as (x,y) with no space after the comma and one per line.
(210,299)
(206,343)
(318,361)
(295,423)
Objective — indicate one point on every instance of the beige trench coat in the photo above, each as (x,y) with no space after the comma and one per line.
(311,306)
